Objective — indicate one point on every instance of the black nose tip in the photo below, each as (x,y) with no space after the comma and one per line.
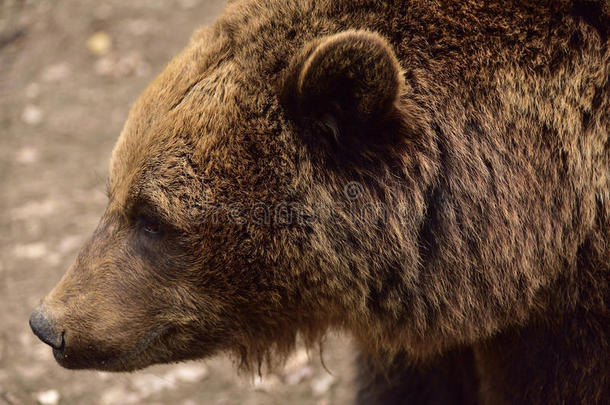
(44,330)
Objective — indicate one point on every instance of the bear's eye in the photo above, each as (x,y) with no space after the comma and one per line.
(149,225)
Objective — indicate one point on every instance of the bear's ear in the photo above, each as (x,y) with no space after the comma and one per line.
(346,82)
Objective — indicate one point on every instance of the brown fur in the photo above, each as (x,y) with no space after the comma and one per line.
(431,177)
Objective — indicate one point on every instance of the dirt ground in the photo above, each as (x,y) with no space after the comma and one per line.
(69,70)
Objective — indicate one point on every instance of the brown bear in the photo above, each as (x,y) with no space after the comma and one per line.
(431,177)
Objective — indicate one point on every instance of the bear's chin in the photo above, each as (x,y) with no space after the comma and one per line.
(128,362)
(145,353)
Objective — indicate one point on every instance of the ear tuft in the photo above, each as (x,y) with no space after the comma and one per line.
(353,76)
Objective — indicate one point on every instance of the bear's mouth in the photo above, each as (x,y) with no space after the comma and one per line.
(136,358)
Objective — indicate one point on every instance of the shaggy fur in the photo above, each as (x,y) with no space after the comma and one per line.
(430,176)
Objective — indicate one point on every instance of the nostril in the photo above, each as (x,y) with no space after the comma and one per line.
(44,330)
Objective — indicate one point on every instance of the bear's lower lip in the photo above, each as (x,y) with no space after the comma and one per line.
(129,361)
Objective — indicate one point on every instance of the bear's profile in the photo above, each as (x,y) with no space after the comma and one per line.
(431,177)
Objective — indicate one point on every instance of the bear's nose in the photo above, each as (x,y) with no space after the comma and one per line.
(44,330)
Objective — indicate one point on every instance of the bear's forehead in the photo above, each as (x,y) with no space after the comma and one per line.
(206,96)
(188,123)
(185,110)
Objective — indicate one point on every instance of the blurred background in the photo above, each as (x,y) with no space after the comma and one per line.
(69,70)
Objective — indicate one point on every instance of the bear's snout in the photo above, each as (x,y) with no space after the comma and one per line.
(45,331)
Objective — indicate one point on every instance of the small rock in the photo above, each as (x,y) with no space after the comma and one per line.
(99,43)
(31,115)
(321,385)
(27,156)
(50,397)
